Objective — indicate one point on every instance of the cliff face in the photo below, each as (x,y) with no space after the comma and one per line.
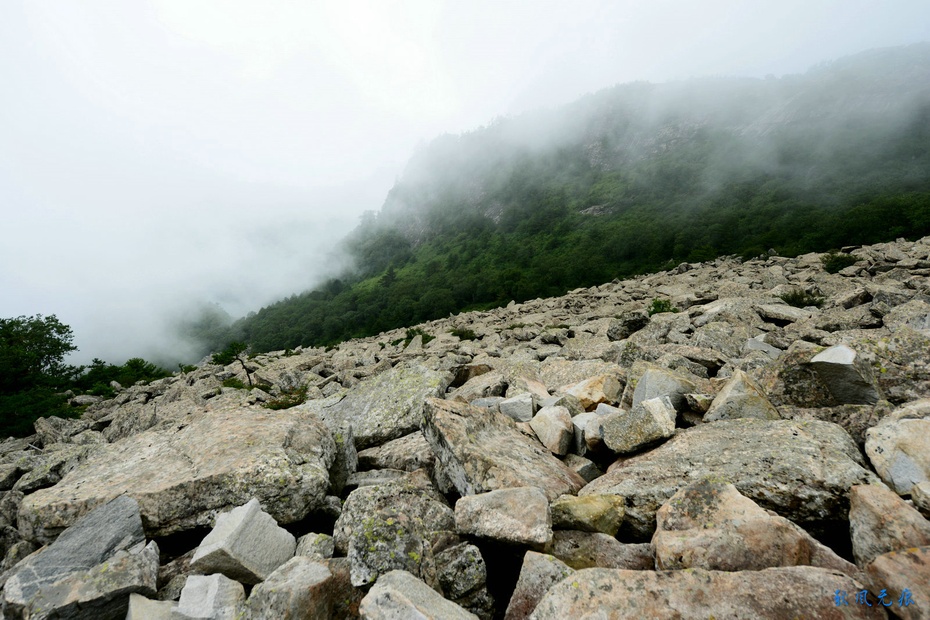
(764,424)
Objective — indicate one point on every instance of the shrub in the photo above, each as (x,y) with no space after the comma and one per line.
(416,331)
(235,383)
(186,368)
(661,305)
(834,261)
(801,299)
(288,398)
(464,334)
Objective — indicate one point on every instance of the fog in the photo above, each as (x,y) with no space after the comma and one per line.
(157,156)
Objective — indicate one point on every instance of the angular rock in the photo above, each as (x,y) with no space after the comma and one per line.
(741,397)
(629,431)
(583,467)
(848,377)
(899,450)
(246,545)
(181,478)
(553,426)
(386,406)
(710,525)
(215,596)
(920,495)
(481,450)
(594,549)
(518,516)
(141,608)
(393,526)
(782,313)
(592,513)
(408,453)
(398,594)
(627,324)
(538,573)
(483,386)
(596,390)
(657,382)
(790,592)
(463,578)
(61,577)
(315,545)
(905,578)
(801,470)
(298,589)
(520,408)
(880,521)
(345,459)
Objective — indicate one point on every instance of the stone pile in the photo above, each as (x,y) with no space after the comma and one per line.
(740,457)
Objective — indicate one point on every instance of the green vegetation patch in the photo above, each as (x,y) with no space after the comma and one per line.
(834,262)
(802,299)
(288,398)
(661,305)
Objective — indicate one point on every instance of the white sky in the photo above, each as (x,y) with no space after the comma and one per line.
(158,153)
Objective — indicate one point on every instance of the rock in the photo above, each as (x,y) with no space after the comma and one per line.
(483,386)
(782,313)
(710,525)
(408,453)
(801,470)
(657,382)
(629,431)
(901,577)
(298,589)
(183,477)
(593,513)
(246,545)
(518,516)
(345,460)
(880,521)
(463,578)
(315,545)
(481,450)
(538,573)
(627,324)
(141,608)
(95,564)
(914,314)
(215,596)
(596,390)
(564,400)
(594,549)
(520,408)
(553,426)
(386,406)
(848,377)
(741,397)
(58,430)
(789,592)
(393,525)
(920,495)
(399,594)
(582,466)
(899,450)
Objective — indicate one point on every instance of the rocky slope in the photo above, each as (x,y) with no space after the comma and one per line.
(739,457)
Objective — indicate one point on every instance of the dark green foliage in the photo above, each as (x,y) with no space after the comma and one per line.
(834,262)
(464,334)
(235,383)
(95,379)
(802,299)
(184,368)
(416,331)
(288,398)
(661,305)
(234,352)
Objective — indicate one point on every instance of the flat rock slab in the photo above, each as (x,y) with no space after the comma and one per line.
(386,406)
(899,450)
(481,450)
(518,516)
(182,478)
(210,596)
(398,594)
(791,592)
(299,589)
(801,470)
(246,545)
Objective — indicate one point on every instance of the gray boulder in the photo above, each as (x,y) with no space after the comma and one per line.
(848,377)
(518,516)
(538,573)
(899,450)
(880,521)
(215,596)
(625,432)
(398,594)
(741,397)
(594,549)
(141,608)
(553,426)
(300,588)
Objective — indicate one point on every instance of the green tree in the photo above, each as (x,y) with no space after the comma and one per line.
(234,352)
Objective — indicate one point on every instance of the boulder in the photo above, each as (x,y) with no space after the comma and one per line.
(520,408)
(627,324)
(848,377)
(141,608)
(898,581)
(585,468)
(595,390)
(398,594)
(94,565)
(741,397)
(300,588)
(463,578)
(788,592)
(393,526)
(210,596)
(625,432)
(801,470)
(181,478)
(245,544)
(481,450)
(538,573)
(518,516)
(386,406)
(899,450)
(314,545)
(408,453)
(880,521)
(710,525)
(592,513)
(553,426)
(594,549)
(655,382)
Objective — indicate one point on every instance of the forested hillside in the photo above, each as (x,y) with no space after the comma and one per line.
(627,180)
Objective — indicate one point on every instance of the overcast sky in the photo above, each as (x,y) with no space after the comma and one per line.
(155,154)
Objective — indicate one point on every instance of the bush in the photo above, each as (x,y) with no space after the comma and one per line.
(288,398)
(661,305)
(235,383)
(801,299)
(833,261)
(416,331)
(464,334)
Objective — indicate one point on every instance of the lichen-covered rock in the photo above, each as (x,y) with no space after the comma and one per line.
(591,513)
(399,594)
(741,397)
(624,432)
(880,521)
(789,592)
(481,450)
(408,453)
(183,477)
(538,573)
(518,516)
(801,470)
(848,377)
(298,589)
(594,549)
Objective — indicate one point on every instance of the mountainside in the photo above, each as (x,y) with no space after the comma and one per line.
(629,180)
(729,439)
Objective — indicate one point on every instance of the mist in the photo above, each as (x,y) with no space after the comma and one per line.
(160,157)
